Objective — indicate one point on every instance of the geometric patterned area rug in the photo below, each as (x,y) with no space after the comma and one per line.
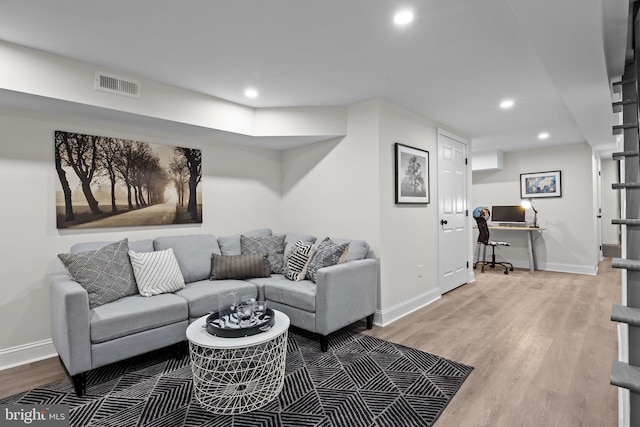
(360,381)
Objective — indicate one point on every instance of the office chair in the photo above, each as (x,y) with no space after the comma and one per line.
(481,215)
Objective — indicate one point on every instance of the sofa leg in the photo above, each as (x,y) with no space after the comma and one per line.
(370,321)
(80,383)
(324,343)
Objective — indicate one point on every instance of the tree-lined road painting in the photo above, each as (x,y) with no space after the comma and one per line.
(111,182)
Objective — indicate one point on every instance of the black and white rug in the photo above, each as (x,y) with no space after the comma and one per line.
(360,381)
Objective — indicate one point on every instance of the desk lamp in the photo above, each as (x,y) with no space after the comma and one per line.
(529,204)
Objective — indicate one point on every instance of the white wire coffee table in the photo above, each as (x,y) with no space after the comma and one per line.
(236,375)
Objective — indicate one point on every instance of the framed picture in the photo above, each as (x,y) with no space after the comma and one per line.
(540,184)
(112,182)
(412,175)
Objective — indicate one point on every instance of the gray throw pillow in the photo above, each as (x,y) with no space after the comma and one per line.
(239,266)
(105,273)
(273,246)
(327,253)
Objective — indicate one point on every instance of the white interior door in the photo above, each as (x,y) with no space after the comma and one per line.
(452,202)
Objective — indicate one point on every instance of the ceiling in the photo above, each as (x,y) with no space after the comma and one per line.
(454,63)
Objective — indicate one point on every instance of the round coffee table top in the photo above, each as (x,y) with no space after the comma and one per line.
(197,334)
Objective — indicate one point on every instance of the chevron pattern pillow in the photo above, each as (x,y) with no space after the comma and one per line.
(105,273)
(298,260)
(156,272)
(327,254)
(273,246)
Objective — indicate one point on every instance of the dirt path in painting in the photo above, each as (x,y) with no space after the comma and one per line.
(152,215)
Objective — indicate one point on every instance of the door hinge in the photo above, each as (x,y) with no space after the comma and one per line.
(466,212)
(466,161)
(467,264)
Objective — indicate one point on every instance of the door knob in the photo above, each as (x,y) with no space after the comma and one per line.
(443,222)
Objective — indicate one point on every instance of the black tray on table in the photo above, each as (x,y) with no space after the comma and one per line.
(264,322)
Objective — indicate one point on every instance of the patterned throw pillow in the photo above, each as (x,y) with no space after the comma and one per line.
(247,266)
(105,273)
(156,272)
(273,246)
(328,253)
(298,260)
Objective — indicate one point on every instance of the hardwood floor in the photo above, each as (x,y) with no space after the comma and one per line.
(541,345)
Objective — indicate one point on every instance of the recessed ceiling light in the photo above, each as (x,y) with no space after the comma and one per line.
(506,104)
(403,17)
(251,93)
(543,135)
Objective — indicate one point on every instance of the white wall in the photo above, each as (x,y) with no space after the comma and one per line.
(610,202)
(331,188)
(409,233)
(345,188)
(241,190)
(568,242)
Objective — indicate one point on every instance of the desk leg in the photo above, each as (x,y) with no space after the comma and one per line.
(532,258)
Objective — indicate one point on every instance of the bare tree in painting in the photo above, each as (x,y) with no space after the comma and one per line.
(154,180)
(110,154)
(142,152)
(125,166)
(193,158)
(413,175)
(180,175)
(82,155)
(62,175)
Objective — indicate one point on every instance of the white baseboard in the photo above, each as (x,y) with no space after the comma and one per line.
(391,314)
(26,353)
(560,268)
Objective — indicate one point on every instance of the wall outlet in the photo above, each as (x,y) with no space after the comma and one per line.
(419,270)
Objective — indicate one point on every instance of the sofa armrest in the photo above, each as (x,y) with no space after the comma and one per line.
(345,293)
(70,330)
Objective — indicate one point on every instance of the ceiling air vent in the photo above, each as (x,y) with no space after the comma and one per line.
(115,84)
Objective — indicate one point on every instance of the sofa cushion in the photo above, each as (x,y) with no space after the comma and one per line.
(193,252)
(239,266)
(327,253)
(156,272)
(105,273)
(135,314)
(273,246)
(202,296)
(298,260)
(301,295)
(230,245)
(358,249)
(260,282)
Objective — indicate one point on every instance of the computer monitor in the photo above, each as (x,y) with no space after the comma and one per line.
(508,214)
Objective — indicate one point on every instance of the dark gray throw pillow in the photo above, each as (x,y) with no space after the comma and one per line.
(105,273)
(273,246)
(327,254)
(239,266)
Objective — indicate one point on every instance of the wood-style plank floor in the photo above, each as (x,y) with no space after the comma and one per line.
(541,345)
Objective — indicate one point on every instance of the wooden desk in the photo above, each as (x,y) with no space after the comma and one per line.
(529,231)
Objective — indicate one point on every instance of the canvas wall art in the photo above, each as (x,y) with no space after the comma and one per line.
(541,184)
(113,182)
(412,175)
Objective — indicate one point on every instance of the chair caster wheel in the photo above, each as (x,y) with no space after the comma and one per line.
(506,272)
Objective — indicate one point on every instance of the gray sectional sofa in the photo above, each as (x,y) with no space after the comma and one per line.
(90,337)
